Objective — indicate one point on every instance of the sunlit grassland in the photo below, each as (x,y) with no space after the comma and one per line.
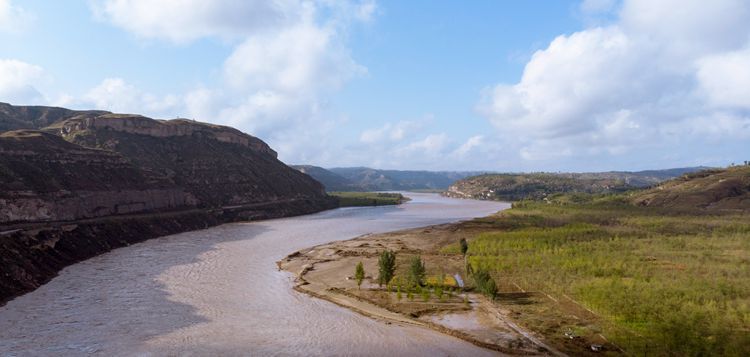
(663,282)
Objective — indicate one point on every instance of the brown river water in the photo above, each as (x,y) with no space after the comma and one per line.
(218,292)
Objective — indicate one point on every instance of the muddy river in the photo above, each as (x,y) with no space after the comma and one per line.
(218,292)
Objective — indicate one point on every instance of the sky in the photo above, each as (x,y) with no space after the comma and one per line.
(510,86)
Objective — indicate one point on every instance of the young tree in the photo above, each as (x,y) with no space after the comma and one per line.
(485,284)
(416,271)
(359,274)
(386,267)
(464,249)
(464,246)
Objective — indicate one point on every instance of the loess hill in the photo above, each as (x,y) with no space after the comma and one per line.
(539,185)
(74,184)
(727,189)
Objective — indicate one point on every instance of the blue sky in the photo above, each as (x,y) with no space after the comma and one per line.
(482,85)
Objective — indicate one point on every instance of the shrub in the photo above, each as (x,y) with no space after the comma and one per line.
(485,284)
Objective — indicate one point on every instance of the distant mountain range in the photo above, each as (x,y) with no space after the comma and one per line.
(475,184)
(368,179)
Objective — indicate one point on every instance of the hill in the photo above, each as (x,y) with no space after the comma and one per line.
(722,189)
(367,179)
(34,117)
(540,185)
(331,181)
(74,184)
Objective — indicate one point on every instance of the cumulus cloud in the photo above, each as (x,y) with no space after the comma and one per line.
(724,78)
(661,66)
(468,146)
(186,20)
(432,144)
(116,95)
(13,18)
(300,58)
(18,80)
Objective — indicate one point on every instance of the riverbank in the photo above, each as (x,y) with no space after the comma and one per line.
(326,272)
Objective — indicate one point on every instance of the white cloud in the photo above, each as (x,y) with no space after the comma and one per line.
(470,144)
(687,27)
(431,145)
(725,78)
(18,82)
(186,20)
(13,18)
(116,95)
(366,10)
(662,68)
(297,59)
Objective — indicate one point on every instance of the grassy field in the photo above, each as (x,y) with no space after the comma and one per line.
(653,281)
(357,199)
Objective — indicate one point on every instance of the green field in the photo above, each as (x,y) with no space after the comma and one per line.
(658,281)
(359,199)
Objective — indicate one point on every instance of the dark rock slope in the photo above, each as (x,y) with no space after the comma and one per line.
(74,184)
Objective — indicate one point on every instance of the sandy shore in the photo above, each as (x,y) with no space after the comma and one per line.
(326,271)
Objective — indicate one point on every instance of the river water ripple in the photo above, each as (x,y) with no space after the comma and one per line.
(218,292)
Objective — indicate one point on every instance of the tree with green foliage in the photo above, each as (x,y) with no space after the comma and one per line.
(386,267)
(485,284)
(464,246)
(359,274)
(417,271)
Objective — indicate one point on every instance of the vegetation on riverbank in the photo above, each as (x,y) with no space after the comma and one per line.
(359,199)
(663,271)
(654,280)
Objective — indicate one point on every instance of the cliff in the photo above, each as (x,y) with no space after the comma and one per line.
(74,184)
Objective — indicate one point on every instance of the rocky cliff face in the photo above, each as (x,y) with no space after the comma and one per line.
(44,178)
(139,125)
(67,188)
